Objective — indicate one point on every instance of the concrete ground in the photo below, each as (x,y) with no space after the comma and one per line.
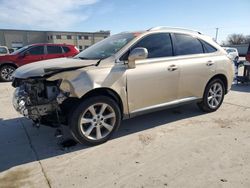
(179,147)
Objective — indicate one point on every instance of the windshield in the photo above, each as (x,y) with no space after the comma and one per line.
(20,50)
(106,47)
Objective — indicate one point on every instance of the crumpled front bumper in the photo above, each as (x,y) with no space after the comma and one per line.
(22,104)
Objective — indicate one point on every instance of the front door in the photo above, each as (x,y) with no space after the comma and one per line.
(154,81)
(33,54)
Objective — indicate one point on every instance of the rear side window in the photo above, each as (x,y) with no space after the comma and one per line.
(66,49)
(208,48)
(54,49)
(187,45)
(37,50)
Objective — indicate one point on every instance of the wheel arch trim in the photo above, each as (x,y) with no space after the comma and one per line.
(8,63)
(223,78)
(110,93)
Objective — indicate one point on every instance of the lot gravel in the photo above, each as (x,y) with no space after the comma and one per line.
(179,147)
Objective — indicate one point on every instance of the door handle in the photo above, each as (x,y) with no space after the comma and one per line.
(172,68)
(210,63)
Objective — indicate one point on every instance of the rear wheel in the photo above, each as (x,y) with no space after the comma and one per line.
(213,96)
(6,72)
(94,120)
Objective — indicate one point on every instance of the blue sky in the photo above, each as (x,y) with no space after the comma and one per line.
(93,15)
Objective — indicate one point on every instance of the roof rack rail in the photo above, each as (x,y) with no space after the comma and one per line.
(172,28)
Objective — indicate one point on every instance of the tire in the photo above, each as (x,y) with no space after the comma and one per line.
(6,72)
(102,116)
(212,100)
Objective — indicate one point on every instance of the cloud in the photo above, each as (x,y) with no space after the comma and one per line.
(44,14)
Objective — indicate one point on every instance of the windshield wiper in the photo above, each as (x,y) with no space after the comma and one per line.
(82,58)
(85,58)
(99,61)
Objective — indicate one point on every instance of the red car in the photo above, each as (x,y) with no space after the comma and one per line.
(31,53)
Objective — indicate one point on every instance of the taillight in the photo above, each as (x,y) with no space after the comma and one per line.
(76,49)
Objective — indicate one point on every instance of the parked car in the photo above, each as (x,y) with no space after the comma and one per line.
(3,50)
(233,53)
(33,53)
(123,76)
(248,54)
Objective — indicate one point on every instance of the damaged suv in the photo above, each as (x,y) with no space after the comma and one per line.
(125,75)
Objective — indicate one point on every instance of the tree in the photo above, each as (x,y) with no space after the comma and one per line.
(247,39)
(237,39)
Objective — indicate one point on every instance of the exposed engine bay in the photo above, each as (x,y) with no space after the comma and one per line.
(39,99)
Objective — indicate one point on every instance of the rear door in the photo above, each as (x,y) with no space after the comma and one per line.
(196,65)
(54,51)
(33,54)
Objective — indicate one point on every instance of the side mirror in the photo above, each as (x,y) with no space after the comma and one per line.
(136,54)
(25,54)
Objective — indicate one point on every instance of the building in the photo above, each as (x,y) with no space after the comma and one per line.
(20,38)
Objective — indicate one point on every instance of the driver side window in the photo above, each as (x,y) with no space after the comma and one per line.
(158,45)
(37,50)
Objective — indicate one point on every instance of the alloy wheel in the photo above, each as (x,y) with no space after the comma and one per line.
(97,121)
(215,95)
(6,72)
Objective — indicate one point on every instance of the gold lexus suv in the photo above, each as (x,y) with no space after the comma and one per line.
(122,76)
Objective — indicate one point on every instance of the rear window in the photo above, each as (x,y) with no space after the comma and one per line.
(54,49)
(187,45)
(66,49)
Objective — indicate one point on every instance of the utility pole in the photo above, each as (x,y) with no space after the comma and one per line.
(216,34)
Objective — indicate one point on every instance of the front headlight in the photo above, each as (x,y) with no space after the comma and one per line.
(15,98)
(19,101)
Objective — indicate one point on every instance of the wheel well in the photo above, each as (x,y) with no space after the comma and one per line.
(106,92)
(223,78)
(11,64)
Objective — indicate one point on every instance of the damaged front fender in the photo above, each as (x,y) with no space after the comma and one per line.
(81,81)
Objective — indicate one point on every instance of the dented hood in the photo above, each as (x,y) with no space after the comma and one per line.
(52,66)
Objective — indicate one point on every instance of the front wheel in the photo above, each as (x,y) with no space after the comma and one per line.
(94,120)
(6,72)
(213,96)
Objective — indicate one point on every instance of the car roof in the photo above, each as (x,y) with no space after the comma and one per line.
(165,29)
(173,29)
(52,44)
